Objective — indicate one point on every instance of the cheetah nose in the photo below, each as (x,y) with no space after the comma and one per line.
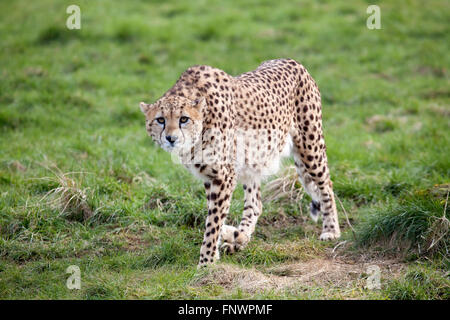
(171,139)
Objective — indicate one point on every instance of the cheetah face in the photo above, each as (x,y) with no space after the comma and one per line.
(174,123)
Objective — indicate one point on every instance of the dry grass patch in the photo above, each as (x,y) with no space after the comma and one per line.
(284,189)
(336,273)
(327,273)
(250,280)
(70,198)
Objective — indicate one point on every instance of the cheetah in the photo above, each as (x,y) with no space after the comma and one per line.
(228,129)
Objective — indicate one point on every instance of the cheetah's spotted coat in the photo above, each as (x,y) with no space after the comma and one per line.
(245,123)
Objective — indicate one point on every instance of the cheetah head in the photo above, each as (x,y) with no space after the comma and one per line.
(175,123)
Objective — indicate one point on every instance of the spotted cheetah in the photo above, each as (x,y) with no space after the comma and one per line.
(227,129)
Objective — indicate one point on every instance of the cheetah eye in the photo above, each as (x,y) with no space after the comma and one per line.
(184,119)
(160,120)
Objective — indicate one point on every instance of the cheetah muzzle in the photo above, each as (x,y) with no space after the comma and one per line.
(227,129)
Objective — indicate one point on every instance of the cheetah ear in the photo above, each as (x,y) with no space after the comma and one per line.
(199,104)
(145,107)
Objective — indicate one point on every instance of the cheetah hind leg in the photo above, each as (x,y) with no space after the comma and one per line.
(322,200)
(310,187)
(314,210)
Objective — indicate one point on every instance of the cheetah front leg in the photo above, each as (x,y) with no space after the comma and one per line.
(218,195)
(235,239)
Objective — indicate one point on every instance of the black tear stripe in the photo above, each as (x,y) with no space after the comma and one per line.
(160,134)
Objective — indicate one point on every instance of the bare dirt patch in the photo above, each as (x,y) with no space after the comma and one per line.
(325,272)
(339,273)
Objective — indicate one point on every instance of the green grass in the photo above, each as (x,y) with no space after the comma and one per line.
(414,226)
(418,284)
(69,116)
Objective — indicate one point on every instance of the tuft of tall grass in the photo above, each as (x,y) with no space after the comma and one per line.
(416,224)
(69,196)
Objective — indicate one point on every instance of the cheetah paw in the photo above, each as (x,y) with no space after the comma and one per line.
(326,236)
(202,265)
(233,239)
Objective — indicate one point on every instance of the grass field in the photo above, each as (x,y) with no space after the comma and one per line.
(82,184)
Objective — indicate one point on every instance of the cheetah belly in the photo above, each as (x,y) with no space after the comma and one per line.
(267,166)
